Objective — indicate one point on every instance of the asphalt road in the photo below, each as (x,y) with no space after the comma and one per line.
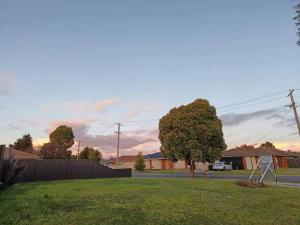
(281,179)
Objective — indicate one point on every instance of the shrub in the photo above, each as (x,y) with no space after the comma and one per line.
(140,162)
(10,171)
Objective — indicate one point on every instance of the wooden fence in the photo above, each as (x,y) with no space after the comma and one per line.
(61,169)
(294,163)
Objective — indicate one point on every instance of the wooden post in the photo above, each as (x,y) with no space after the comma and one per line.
(2,149)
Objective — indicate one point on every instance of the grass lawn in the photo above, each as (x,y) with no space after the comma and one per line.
(280,172)
(147,201)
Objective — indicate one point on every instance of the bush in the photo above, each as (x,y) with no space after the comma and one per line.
(10,171)
(140,162)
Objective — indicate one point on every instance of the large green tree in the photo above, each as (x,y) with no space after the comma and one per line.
(24,144)
(90,153)
(63,139)
(192,133)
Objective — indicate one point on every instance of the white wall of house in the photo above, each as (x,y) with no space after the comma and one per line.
(156,164)
(251,163)
(147,164)
(123,165)
(179,165)
(202,166)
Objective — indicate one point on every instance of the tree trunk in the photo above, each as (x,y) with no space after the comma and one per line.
(192,169)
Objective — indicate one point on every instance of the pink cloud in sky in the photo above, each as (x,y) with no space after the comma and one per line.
(100,105)
(130,143)
(290,145)
(79,106)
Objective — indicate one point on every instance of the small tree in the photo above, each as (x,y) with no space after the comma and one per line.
(63,139)
(90,153)
(192,133)
(24,144)
(267,145)
(140,162)
(48,151)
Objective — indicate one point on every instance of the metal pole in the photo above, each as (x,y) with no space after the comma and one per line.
(118,146)
(293,106)
(78,150)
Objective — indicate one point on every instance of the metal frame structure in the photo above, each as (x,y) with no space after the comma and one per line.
(264,170)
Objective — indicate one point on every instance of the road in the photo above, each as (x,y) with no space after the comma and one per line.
(281,179)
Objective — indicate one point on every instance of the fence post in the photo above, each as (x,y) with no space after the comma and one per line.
(2,149)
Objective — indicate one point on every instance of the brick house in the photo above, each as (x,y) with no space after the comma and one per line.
(125,161)
(247,159)
(154,161)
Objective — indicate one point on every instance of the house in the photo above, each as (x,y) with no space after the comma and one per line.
(154,161)
(126,161)
(294,159)
(248,158)
(19,155)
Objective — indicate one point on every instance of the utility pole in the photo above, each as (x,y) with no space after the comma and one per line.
(78,150)
(118,146)
(294,107)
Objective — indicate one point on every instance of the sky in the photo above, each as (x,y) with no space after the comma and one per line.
(90,64)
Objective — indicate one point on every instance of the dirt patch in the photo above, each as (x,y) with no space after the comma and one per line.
(250,184)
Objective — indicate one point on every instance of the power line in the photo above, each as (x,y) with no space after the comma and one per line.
(252,100)
(249,105)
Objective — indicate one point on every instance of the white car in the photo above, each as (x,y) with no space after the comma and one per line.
(218,165)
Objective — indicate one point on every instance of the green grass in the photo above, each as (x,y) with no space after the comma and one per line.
(280,172)
(147,201)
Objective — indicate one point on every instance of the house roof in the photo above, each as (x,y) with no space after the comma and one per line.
(20,154)
(295,154)
(236,152)
(124,158)
(156,155)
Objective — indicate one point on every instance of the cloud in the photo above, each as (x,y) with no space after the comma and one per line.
(79,106)
(129,142)
(233,119)
(40,141)
(103,104)
(290,145)
(31,123)
(286,122)
(11,127)
(7,82)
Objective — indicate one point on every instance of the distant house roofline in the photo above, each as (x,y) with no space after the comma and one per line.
(20,154)
(236,152)
(156,155)
(124,158)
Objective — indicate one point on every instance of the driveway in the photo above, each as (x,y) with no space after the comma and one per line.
(281,179)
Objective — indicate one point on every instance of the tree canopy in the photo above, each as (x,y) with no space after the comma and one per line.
(192,133)
(90,153)
(63,139)
(48,151)
(24,143)
(267,145)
